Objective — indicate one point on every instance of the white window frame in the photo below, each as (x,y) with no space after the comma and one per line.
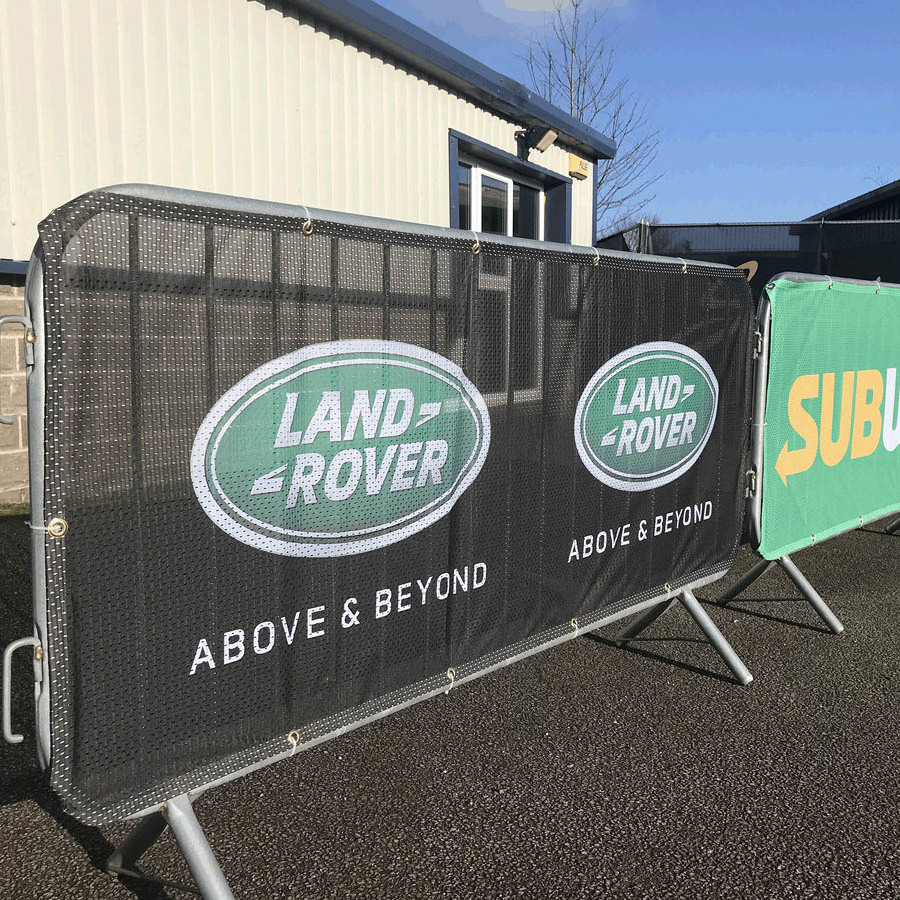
(500,282)
(477,172)
(477,177)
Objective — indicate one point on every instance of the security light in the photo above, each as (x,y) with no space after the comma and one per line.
(546,140)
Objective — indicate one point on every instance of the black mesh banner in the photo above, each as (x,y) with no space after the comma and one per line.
(315,470)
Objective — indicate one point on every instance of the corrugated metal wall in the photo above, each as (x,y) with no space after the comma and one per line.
(225,96)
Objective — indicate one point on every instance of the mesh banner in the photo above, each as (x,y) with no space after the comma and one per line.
(311,477)
(831,410)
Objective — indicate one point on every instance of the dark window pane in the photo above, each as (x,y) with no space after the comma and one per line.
(494,205)
(526,212)
(465,194)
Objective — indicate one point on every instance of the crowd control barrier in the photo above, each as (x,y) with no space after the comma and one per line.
(294,470)
(826,423)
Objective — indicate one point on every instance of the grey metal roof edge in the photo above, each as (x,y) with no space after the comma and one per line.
(410,44)
(654,225)
(811,222)
(873,196)
(13,267)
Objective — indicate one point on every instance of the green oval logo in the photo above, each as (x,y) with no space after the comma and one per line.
(340,448)
(646,415)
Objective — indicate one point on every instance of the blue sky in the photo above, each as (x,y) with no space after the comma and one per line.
(767,111)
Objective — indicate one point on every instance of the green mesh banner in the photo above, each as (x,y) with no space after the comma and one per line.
(832,422)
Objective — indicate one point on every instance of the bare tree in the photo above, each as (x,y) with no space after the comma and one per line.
(571,65)
(878,178)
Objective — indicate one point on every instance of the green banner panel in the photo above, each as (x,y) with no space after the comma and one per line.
(832,423)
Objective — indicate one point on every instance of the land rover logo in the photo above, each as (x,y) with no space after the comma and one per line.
(646,415)
(340,448)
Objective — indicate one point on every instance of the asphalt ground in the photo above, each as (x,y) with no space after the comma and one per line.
(585,771)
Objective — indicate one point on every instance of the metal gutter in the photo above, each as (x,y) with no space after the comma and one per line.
(377,27)
(885,192)
(13,267)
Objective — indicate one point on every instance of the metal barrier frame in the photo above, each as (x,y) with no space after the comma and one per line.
(787,565)
(177,812)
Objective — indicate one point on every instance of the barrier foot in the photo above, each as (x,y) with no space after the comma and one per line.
(893,528)
(743,583)
(643,621)
(704,622)
(142,838)
(716,638)
(811,596)
(196,850)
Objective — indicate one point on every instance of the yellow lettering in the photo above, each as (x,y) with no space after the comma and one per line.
(834,451)
(869,394)
(792,462)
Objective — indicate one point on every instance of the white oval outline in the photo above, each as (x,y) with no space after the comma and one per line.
(324,535)
(652,349)
(233,395)
(627,475)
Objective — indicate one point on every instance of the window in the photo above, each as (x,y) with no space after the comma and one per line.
(494,192)
(497,204)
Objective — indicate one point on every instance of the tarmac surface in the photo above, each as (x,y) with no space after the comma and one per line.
(585,771)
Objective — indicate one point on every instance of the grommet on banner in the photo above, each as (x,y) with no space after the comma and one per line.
(476,246)
(812,537)
(307,226)
(451,676)
(294,741)
(596,260)
(830,282)
(668,588)
(574,624)
(56,527)
(878,285)
(683,265)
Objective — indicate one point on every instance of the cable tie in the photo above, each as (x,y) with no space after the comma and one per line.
(596,260)
(451,675)
(476,246)
(683,265)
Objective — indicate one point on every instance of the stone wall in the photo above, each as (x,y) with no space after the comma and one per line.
(13,438)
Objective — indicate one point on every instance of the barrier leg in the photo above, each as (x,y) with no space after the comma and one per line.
(644,620)
(145,834)
(706,624)
(715,637)
(743,583)
(809,593)
(196,850)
